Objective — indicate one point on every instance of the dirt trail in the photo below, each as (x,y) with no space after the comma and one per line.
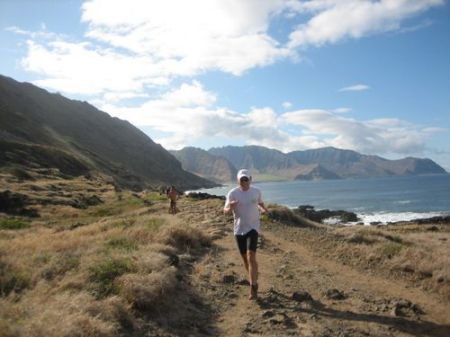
(302,294)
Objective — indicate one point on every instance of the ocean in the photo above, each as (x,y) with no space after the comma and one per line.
(386,199)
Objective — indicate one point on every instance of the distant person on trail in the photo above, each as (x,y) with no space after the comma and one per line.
(246,203)
(172,193)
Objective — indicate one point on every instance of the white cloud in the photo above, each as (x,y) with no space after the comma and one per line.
(287,105)
(380,136)
(132,45)
(42,33)
(342,110)
(83,69)
(356,87)
(188,114)
(334,20)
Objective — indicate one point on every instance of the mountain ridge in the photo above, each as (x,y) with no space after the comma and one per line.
(316,164)
(30,116)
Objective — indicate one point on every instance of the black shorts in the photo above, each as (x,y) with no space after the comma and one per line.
(248,241)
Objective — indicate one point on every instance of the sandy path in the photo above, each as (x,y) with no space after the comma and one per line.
(287,267)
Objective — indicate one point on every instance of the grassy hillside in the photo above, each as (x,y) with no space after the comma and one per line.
(31,116)
(94,261)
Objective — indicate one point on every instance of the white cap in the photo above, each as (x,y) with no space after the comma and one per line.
(244,173)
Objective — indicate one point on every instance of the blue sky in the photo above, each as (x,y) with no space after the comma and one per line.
(372,76)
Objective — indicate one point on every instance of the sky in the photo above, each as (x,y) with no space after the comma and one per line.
(370,76)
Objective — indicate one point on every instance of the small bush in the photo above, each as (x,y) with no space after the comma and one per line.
(391,249)
(155,223)
(151,262)
(42,258)
(184,238)
(285,216)
(360,238)
(7,329)
(69,315)
(103,274)
(122,243)
(12,279)
(124,223)
(21,174)
(150,290)
(104,211)
(395,238)
(134,201)
(155,196)
(60,265)
(12,223)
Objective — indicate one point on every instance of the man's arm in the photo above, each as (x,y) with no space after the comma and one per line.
(262,207)
(230,206)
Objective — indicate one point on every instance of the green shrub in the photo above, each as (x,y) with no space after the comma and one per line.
(105,211)
(12,279)
(360,238)
(154,223)
(155,196)
(394,238)
(103,274)
(184,238)
(391,249)
(21,174)
(60,265)
(12,223)
(134,201)
(42,258)
(122,243)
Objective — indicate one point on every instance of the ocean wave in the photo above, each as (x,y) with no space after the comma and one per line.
(386,217)
(403,202)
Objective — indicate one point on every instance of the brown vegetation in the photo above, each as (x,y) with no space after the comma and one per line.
(124,267)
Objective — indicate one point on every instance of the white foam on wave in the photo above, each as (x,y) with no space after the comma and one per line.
(403,202)
(384,218)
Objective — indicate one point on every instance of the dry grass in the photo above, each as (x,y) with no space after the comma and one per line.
(183,238)
(149,290)
(90,272)
(406,251)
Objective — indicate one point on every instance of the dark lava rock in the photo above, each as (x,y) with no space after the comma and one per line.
(309,212)
(15,203)
(405,308)
(335,294)
(301,296)
(229,279)
(204,196)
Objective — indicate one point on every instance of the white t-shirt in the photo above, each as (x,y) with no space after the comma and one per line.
(246,212)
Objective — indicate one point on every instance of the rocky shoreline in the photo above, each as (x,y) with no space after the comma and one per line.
(337,217)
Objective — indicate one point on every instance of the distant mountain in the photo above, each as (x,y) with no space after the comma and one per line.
(265,163)
(323,163)
(40,129)
(351,164)
(206,165)
(315,172)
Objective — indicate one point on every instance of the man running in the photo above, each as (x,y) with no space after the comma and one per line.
(245,202)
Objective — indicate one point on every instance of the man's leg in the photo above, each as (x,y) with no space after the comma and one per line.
(252,267)
(241,241)
(245,259)
(252,264)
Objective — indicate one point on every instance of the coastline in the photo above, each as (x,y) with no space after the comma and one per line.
(385,218)
(375,201)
